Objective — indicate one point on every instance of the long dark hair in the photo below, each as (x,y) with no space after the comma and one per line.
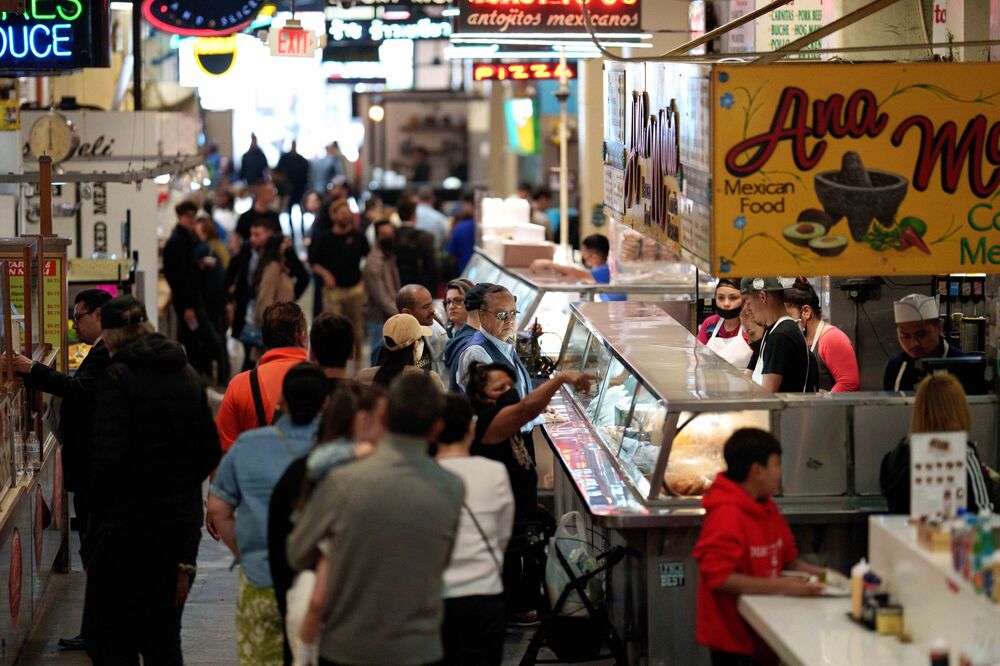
(393,363)
(337,419)
(270,253)
(479,375)
(802,294)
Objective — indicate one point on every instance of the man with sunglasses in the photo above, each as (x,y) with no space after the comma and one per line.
(494,341)
(76,413)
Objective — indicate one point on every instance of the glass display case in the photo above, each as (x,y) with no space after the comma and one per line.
(544,298)
(662,404)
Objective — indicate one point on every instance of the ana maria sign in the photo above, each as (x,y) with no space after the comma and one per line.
(55,35)
(856,169)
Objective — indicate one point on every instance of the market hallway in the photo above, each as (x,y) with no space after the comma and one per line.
(209,631)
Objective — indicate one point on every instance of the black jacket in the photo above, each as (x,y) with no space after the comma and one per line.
(416,258)
(179,269)
(76,414)
(237,281)
(155,442)
(894,480)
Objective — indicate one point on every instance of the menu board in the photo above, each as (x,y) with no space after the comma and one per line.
(15,277)
(938,477)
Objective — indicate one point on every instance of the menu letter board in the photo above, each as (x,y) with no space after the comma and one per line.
(55,309)
(555,17)
(868,169)
(938,478)
(55,35)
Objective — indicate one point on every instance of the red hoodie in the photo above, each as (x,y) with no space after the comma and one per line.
(739,535)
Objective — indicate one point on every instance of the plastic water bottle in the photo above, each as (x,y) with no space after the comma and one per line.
(33,449)
(18,455)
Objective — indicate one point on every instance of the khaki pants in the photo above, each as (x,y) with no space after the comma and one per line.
(348,302)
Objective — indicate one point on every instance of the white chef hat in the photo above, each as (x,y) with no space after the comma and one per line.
(915,307)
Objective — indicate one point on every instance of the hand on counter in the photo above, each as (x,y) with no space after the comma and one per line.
(22,364)
(539,265)
(794,586)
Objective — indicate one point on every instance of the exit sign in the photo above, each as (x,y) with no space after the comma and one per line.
(292,42)
(526,71)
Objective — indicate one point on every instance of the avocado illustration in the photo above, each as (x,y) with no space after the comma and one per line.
(828,246)
(801,233)
(817,215)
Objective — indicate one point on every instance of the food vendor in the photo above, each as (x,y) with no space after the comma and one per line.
(594,250)
(723,332)
(784,364)
(919,331)
(838,364)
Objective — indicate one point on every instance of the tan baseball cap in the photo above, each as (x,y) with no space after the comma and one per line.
(403,330)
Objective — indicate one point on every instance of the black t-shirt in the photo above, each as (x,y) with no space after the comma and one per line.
(248,219)
(523,480)
(786,354)
(341,254)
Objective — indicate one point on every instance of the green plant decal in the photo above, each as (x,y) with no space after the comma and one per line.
(952,229)
(744,239)
(940,93)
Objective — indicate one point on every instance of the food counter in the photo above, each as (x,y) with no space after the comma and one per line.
(547,296)
(639,449)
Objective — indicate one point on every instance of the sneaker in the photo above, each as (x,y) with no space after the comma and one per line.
(525,619)
(75,643)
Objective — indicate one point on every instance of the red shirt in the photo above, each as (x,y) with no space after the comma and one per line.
(707,326)
(740,535)
(837,353)
(237,413)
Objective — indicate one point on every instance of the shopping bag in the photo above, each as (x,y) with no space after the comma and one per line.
(569,541)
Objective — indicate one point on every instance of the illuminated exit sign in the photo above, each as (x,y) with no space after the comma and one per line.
(55,35)
(292,42)
(522,71)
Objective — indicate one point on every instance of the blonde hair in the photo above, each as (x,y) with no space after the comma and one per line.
(941,406)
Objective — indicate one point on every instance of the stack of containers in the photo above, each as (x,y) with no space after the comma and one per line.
(509,237)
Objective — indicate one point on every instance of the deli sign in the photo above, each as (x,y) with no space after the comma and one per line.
(856,169)
(561,18)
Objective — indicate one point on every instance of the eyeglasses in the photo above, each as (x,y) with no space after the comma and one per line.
(78,316)
(454,301)
(504,315)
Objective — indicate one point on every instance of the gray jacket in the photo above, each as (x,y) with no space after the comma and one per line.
(381,277)
(390,522)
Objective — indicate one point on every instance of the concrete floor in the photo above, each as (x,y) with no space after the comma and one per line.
(209,631)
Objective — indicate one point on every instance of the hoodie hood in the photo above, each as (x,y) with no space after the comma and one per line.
(152,352)
(725,491)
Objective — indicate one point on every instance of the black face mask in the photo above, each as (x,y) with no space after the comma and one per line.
(387,245)
(728,314)
(509,398)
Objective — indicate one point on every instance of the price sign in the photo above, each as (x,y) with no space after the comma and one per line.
(528,71)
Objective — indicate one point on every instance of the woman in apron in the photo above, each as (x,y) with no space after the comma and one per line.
(723,332)
(838,364)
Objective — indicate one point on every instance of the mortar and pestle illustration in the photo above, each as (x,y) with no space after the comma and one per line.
(860,194)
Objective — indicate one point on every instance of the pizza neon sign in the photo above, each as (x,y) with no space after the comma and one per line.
(528,71)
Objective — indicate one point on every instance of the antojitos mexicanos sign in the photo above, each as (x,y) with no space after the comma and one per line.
(856,169)
(558,17)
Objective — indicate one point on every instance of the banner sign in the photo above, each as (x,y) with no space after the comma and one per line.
(55,35)
(880,169)
(562,19)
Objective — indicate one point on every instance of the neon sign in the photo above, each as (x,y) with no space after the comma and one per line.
(378,30)
(526,71)
(201,18)
(53,35)
(546,16)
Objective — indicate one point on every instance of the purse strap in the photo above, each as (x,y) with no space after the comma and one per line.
(258,399)
(486,539)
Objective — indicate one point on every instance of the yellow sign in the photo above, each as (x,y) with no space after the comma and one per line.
(10,115)
(856,169)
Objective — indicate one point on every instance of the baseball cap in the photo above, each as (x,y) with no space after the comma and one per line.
(915,307)
(753,285)
(403,330)
(474,297)
(122,311)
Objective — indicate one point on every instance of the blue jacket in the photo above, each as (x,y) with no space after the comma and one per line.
(453,350)
(517,365)
(904,368)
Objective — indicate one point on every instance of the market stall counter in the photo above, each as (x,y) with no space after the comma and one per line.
(638,451)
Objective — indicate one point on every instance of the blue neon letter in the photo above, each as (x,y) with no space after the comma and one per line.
(34,49)
(57,38)
(13,42)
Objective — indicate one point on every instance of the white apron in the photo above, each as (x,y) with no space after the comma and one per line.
(902,367)
(735,350)
(758,370)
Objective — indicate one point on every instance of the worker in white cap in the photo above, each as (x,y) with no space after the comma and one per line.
(919,330)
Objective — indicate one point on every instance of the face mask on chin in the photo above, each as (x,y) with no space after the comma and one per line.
(728,314)
(387,245)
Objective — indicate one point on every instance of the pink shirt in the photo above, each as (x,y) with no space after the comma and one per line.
(707,326)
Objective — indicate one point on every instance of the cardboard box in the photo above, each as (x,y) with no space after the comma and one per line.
(520,255)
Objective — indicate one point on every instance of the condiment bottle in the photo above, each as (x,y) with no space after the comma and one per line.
(939,653)
(858,572)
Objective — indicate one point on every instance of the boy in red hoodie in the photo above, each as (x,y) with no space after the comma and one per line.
(744,546)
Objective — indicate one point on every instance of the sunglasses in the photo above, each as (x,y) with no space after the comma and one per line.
(504,315)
